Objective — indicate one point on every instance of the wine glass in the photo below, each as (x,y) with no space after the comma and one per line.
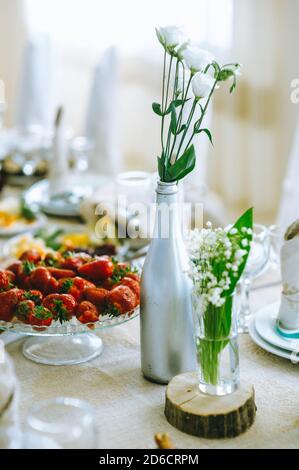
(276,239)
(256,265)
(61,423)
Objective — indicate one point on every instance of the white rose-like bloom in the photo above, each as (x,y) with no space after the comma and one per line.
(202,85)
(171,36)
(197,59)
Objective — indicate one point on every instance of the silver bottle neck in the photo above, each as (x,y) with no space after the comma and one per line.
(166,189)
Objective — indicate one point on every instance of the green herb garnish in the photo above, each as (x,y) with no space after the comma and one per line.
(111,311)
(42,313)
(27,212)
(61,311)
(66,285)
(29,295)
(28,267)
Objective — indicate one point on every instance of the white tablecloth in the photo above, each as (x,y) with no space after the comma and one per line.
(130,410)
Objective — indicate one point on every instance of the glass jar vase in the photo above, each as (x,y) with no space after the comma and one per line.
(216,337)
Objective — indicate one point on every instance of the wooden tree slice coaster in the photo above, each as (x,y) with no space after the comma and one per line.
(193,412)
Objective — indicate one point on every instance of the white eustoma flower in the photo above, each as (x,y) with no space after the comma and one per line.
(197,59)
(171,36)
(202,85)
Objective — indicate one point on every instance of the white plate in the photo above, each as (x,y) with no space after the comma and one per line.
(257,339)
(20,227)
(265,324)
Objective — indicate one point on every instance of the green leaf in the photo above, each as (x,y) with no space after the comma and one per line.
(184,165)
(157,109)
(245,221)
(161,163)
(173,121)
(225,74)
(207,132)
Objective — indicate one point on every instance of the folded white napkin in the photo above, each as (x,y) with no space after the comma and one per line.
(289,257)
(36,101)
(10,435)
(102,115)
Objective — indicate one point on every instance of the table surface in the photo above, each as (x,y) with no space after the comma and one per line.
(130,410)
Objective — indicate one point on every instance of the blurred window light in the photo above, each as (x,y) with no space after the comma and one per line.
(130,23)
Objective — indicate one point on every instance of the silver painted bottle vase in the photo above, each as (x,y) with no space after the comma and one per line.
(167,341)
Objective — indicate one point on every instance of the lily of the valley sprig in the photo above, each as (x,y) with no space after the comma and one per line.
(186,67)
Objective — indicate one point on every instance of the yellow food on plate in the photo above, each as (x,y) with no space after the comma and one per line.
(78,240)
(7,219)
(27,242)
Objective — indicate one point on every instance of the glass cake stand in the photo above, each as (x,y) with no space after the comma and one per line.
(65,344)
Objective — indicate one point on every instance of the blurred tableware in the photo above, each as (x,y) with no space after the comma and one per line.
(266,326)
(26,155)
(65,203)
(257,339)
(256,265)
(101,124)
(10,437)
(61,423)
(81,151)
(135,187)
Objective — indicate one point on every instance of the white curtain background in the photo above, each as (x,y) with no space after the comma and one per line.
(253,130)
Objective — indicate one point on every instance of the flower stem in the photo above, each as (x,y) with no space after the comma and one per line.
(204,110)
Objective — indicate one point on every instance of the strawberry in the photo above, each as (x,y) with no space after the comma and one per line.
(24,271)
(31,255)
(35,295)
(23,309)
(40,316)
(134,286)
(122,299)
(39,278)
(97,270)
(4,280)
(96,296)
(61,273)
(74,261)
(74,286)
(134,276)
(61,306)
(8,302)
(14,267)
(52,286)
(11,276)
(86,312)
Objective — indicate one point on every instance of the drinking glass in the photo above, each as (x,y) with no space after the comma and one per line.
(61,423)
(81,151)
(216,340)
(256,265)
